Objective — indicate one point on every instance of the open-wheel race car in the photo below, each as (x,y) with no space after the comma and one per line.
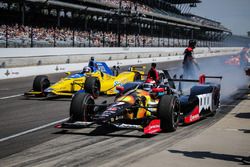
(101,80)
(146,106)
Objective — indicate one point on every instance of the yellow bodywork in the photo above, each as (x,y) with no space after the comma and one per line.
(141,112)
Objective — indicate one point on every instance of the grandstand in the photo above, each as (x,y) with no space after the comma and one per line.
(105,23)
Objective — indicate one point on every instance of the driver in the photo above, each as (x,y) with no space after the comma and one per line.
(149,84)
(86,70)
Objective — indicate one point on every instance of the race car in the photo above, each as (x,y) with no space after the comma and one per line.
(101,80)
(241,59)
(233,60)
(146,106)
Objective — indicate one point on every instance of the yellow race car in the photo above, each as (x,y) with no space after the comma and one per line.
(93,81)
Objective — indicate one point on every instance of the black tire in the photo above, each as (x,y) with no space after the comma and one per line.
(169,111)
(92,86)
(40,83)
(82,107)
(215,102)
(137,76)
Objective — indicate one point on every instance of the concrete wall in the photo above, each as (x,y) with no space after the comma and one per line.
(20,62)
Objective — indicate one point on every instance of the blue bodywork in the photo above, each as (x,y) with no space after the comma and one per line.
(103,67)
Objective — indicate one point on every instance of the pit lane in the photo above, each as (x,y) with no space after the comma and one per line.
(90,146)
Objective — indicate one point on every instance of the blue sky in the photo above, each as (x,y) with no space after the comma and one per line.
(233,14)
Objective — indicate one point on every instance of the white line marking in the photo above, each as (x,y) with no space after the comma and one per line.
(32,130)
(4,89)
(8,97)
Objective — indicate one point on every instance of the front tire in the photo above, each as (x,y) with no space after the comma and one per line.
(82,107)
(40,83)
(169,111)
(92,86)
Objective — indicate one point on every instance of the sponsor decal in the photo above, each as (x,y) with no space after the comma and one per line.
(205,101)
(117,83)
(194,115)
(153,127)
(108,112)
(129,126)
(112,109)
(59,68)
(7,73)
(15,73)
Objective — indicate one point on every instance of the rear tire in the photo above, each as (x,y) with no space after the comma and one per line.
(92,86)
(215,102)
(82,107)
(40,83)
(169,111)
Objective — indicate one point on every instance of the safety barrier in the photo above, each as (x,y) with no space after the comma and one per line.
(21,62)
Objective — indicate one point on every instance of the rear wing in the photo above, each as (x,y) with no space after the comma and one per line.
(139,69)
(201,80)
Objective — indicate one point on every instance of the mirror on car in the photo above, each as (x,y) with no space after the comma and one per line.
(120,88)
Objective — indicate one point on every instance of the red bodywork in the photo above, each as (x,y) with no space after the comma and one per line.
(153,127)
(234,60)
(194,116)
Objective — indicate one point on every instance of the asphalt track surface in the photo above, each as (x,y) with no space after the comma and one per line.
(28,124)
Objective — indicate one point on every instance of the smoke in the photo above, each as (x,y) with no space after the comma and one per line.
(234,77)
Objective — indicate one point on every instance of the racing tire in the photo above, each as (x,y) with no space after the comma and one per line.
(92,86)
(82,107)
(215,103)
(169,112)
(40,83)
(137,76)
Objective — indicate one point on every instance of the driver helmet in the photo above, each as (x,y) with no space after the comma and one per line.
(92,58)
(149,84)
(86,69)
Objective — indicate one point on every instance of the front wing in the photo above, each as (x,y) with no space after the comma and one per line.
(152,128)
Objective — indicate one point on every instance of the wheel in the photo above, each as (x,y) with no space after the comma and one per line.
(92,86)
(169,111)
(40,83)
(137,76)
(215,102)
(82,107)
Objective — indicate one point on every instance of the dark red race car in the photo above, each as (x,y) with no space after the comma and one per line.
(148,107)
